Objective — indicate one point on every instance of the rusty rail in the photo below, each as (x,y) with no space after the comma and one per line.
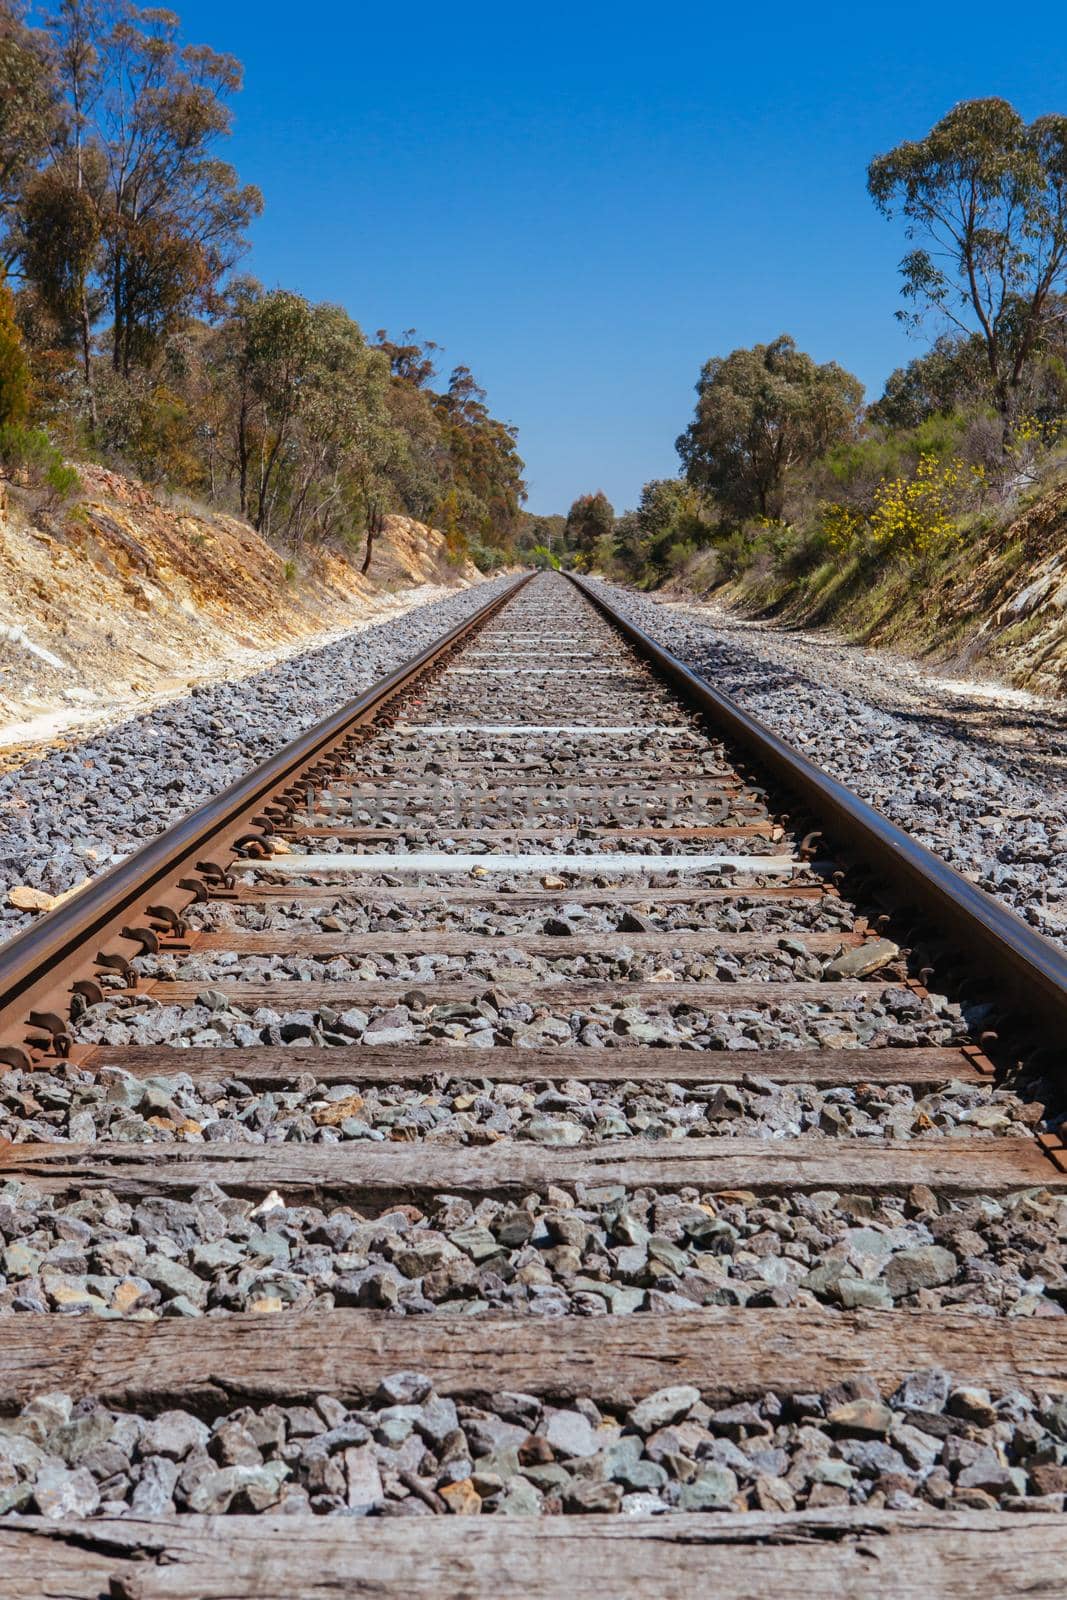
(43,967)
(1031,969)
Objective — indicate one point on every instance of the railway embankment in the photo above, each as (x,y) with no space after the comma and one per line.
(974,771)
(72,807)
(121,594)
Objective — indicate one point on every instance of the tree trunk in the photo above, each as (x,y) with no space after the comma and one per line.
(86,333)
(242,455)
(116,306)
(375,522)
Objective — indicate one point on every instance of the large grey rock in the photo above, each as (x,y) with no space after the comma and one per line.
(60,1492)
(153,1494)
(217,1489)
(925,1267)
(173,1434)
(363,1479)
(173,1278)
(404,1388)
(712,1490)
(569,1433)
(663,1407)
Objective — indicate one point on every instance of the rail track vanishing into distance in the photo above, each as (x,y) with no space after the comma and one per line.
(540,1104)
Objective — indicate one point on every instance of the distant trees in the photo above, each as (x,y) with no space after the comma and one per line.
(122,225)
(484,464)
(143,116)
(985,194)
(28,107)
(952,373)
(589,520)
(669,522)
(761,413)
(789,480)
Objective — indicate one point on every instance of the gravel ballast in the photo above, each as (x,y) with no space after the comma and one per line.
(410,1451)
(992,808)
(466,1110)
(561,1253)
(895,1016)
(316,1036)
(74,812)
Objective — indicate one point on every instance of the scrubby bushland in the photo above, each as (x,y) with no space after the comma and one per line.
(131,341)
(791,484)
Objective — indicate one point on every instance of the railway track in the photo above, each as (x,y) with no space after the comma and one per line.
(539,1104)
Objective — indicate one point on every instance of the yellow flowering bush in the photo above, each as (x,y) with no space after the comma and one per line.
(841,526)
(913,515)
(1030,429)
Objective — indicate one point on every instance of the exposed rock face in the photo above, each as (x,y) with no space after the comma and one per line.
(127,588)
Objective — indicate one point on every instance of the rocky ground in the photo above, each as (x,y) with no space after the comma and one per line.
(976,777)
(351,912)
(549,1109)
(72,812)
(553,1255)
(412,1452)
(838,1020)
(574,1250)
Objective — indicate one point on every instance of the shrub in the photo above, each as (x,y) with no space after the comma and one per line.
(734,553)
(914,515)
(680,554)
(487,559)
(860,466)
(30,455)
(840,526)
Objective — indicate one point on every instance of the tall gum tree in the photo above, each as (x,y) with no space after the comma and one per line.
(761,413)
(984,195)
(29,111)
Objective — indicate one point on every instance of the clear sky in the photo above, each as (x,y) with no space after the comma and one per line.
(583,202)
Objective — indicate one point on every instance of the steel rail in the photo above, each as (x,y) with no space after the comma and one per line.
(40,967)
(1030,968)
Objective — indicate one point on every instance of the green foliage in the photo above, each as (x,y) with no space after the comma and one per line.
(914,515)
(28,454)
(679,554)
(484,466)
(667,528)
(952,375)
(532,530)
(14,368)
(910,515)
(28,104)
(589,520)
(542,557)
(59,238)
(486,559)
(986,193)
(859,464)
(761,415)
(799,490)
(125,225)
(735,552)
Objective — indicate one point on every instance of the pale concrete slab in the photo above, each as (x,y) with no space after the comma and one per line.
(631,864)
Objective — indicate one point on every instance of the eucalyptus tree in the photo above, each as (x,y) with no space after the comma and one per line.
(984,197)
(760,414)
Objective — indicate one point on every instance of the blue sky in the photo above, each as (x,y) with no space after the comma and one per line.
(583,203)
